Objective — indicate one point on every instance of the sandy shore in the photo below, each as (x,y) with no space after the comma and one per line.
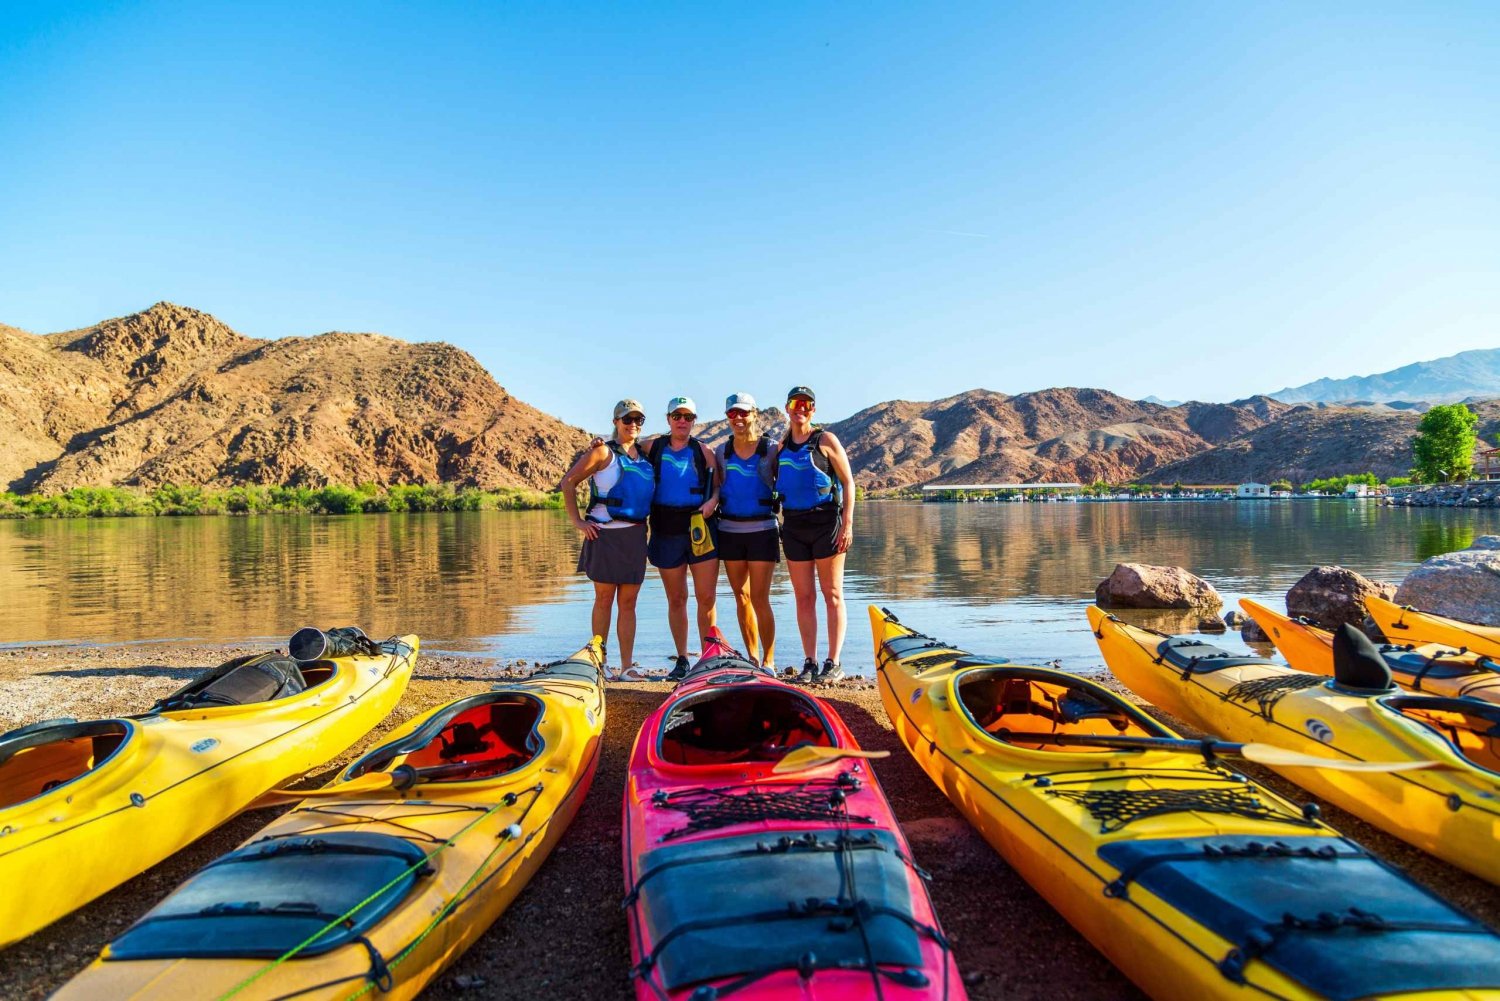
(565,935)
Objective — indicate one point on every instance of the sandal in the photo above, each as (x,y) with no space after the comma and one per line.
(633,673)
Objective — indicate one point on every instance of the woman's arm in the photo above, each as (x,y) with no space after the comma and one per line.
(589,463)
(830,446)
(715,478)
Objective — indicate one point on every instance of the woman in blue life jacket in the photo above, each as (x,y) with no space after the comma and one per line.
(816,489)
(687,483)
(748,543)
(614,527)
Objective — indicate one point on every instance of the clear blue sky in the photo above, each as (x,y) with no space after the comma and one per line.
(881,200)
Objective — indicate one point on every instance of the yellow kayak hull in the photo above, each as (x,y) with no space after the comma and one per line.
(1031,804)
(1452,812)
(476,843)
(1407,625)
(173,777)
(1432,668)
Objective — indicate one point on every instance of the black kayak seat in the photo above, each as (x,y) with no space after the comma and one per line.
(1320,910)
(260,901)
(759,902)
(1196,657)
(240,682)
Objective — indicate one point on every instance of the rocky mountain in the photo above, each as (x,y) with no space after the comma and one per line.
(1466,375)
(1054,435)
(173,395)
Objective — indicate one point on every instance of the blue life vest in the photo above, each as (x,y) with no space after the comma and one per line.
(803,477)
(749,484)
(682,475)
(630,497)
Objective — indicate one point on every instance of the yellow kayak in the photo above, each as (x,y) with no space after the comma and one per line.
(1180,870)
(375,883)
(1432,668)
(1452,811)
(1407,625)
(86,806)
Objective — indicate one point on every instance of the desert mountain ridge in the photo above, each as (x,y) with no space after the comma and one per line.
(171,394)
(1469,376)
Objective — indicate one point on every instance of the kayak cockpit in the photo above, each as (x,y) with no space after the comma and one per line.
(1028,707)
(250,680)
(741,723)
(475,738)
(39,758)
(1470,727)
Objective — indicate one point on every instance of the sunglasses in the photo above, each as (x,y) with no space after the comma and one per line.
(635,419)
(683,417)
(732,414)
(799,404)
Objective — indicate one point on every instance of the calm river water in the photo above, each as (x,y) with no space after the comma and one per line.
(1009,579)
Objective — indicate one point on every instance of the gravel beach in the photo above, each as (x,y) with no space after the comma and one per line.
(565,936)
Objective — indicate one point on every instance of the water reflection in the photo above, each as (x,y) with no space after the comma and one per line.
(1009,579)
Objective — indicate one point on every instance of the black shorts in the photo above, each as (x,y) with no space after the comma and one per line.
(811,535)
(667,552)
(750,547)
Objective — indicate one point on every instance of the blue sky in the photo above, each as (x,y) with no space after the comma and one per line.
(881,200)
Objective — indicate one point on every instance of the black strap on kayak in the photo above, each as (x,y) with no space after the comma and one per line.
(709,809)
(1119,887)
(807,842)
(1262,940)
(1266,692)
(1118,808)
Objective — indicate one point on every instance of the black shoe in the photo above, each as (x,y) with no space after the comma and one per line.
(679,669)
(830,672)
(808,674)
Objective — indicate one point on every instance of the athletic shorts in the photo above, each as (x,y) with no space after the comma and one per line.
(669,551)
(813,535)
(752,547)
(617,556)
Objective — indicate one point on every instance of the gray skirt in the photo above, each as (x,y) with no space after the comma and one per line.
(617,556)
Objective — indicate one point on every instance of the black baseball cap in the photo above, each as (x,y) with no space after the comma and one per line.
(796,391)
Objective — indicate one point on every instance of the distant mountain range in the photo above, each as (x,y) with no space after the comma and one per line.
(1464,376)
(170,394)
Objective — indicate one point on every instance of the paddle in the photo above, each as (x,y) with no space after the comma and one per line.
(398,778)
(1262,754)
(808,756)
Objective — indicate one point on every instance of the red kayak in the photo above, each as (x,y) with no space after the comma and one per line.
(761,858)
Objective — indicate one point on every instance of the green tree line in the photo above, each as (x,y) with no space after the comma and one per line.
(172,500)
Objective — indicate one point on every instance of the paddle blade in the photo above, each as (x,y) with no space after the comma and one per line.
(1270,754)
(354,787)
(811,757)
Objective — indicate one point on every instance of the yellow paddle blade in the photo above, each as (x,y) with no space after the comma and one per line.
(811,757)
(1270,754)
(354,787)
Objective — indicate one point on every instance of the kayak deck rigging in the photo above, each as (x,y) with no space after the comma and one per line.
(813,801)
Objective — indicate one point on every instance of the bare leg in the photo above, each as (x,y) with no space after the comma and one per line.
(831,583)
(738,573)
(805,590)
(760,599)
(604,599)
(628,595)
(705,595)
(674,582)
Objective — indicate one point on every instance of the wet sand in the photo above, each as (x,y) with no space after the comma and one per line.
(565,936)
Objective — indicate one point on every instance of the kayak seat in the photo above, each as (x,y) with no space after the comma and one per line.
(1319,910)
(38,758)
(735,906)
(732,725)
(240,682)
(998,701)
(264,899)
(495,732)
(1193,656)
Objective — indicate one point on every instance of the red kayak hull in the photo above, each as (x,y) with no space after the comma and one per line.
(745,883)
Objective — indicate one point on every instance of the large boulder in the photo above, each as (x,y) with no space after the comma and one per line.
(1141,585)
(1333,596)
(1463,585)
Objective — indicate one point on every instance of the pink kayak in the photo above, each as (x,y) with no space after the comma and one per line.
(750,881)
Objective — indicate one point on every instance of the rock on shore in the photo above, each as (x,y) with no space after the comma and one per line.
(1480,494)
(1142,585)
(1334,596)
(1463,585)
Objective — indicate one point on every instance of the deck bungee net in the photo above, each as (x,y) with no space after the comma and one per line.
(870,903)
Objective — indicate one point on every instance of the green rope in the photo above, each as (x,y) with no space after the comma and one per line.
(274,964)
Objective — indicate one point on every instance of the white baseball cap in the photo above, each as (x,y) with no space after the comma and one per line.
(682,403)
(739,401)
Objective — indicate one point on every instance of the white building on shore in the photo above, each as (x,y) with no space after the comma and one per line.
(1252,491)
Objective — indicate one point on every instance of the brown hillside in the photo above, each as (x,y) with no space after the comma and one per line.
(173,395)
